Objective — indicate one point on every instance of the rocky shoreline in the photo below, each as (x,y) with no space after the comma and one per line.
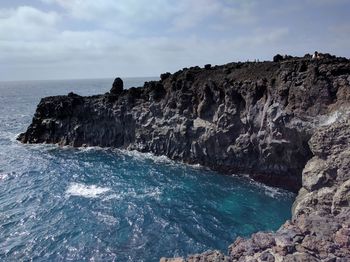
(285,123)
(320,227)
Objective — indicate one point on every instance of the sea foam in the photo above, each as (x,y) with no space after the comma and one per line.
(92,191)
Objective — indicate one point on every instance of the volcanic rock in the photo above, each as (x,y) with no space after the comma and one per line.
(118,86)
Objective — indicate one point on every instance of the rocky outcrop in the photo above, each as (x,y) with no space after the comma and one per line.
(320,227)
(117,87)
(280,122)
(252,118)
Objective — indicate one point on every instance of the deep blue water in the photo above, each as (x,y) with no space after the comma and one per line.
(65,204)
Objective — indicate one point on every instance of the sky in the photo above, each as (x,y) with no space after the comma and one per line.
(73,39)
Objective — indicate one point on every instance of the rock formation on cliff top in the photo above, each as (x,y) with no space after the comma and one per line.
(272,120)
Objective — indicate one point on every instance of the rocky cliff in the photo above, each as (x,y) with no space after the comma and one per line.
(282,122)
(251,118)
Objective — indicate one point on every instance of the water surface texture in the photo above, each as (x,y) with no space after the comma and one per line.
(65,204)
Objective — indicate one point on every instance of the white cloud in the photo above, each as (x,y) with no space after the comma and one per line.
(127,16)
(191,12)
(123,16)
(26,23)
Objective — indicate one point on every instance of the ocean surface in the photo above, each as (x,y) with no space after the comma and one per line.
(94,204)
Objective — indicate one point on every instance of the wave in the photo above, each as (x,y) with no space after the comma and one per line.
(82,190)
(89,148)
(143,156)
(273,192)
(151,193)
(7,175)
(105,218)
(158,159)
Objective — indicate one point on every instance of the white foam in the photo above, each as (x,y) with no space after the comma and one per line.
(6,176)
(158,159)
(107,219)
(13,137)
(154,193)
(91,148)
(142,156)
(273,192)
(76,189)
(3,176)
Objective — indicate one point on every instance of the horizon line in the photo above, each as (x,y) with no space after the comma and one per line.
(75,79)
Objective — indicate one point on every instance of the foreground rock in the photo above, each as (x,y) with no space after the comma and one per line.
(284,123)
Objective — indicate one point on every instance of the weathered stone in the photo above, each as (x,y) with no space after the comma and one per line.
(267,256)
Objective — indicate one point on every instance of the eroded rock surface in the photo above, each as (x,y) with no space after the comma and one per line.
(285,123)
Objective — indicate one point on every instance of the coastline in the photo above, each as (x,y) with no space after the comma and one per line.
(264,119)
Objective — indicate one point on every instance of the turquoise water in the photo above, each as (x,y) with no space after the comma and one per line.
(65,204)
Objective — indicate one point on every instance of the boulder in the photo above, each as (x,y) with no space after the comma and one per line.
(278,58)
(117,87)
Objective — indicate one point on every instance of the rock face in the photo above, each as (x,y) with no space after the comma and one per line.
(280,122)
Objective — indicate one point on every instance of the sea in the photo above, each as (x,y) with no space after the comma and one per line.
(104,204)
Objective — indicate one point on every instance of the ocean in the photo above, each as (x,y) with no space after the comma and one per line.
(96,204)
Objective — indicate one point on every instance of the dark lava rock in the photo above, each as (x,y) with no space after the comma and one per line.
(118,86)
(278,58)
(164,76)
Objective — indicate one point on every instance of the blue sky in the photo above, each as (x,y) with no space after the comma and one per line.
(65,39)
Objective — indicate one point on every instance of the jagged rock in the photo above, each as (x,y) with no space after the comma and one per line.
(267,256)
(165,76)
(286,124)
(278,58)
(117,87)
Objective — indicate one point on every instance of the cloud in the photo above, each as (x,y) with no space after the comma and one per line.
(191,13)
(26,23)
(128,16)
(123,16)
